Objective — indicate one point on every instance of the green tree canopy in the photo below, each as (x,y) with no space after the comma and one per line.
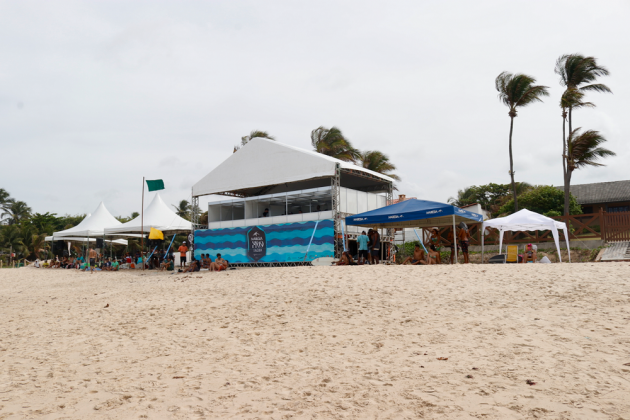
(543,199)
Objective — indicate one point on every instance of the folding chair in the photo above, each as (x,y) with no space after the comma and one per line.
(512,254)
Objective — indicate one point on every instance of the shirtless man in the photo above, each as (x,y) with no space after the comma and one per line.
(92,255)
(219,264)
(418,257)
(464,239)
(346,259)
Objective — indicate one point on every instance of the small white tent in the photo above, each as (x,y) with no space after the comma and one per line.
(157,215)
(92,226)
(525,220)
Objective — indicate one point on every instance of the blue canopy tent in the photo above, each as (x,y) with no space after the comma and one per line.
(414,213)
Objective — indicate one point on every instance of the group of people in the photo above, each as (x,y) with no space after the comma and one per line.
(205,262)
(369,250)
(434,246)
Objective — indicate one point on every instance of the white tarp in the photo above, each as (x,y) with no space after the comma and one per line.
(525,220)
(157,215)
(263,162)
(93,225)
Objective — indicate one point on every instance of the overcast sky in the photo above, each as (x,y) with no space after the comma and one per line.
(96,95)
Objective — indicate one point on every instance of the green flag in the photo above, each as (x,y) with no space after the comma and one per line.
(155,185)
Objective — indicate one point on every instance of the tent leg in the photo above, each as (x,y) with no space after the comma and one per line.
(482,241)
(455,239)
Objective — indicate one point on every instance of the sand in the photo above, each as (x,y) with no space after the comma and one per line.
(318,342)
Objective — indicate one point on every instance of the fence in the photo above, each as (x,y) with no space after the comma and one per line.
(610,227)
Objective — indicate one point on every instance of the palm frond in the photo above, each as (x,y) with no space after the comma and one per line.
(584,149)
(518,90)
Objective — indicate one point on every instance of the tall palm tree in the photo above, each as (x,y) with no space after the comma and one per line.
(576,74)
(4,196)
(183,209)
(15,211)
(517,91)
(253,135)
(582,150)
(378,162)
(332,142)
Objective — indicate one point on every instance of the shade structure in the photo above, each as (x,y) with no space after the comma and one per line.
(78,239)
(413,213)
(91,226)
(526,220)
(158,216)
(262,162)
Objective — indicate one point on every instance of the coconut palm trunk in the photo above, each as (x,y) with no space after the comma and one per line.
(512,164)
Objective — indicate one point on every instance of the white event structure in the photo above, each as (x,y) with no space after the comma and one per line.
(263,163)
(157,215)
(526,220)
(90,228)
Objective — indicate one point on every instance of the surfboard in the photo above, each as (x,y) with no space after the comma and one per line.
(323,261)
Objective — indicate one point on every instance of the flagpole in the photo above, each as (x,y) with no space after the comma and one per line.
(142,227)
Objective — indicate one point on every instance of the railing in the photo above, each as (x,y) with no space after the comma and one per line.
(617,227)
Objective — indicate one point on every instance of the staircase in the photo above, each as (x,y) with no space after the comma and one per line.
(617,251)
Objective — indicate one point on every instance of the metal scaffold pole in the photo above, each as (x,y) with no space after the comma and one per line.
(335,192)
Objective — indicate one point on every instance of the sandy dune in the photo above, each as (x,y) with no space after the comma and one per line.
(325,343)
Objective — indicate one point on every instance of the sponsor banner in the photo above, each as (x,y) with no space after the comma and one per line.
(286,242)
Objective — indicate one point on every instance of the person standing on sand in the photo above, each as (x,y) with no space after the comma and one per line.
(363,247)
(183,249)
(376,246)
(92,256)
(464,240)
(451,239)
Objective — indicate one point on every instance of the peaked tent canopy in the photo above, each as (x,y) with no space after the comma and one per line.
(91,226)
(157,215)
(526,220)
(413,213)
(263,162)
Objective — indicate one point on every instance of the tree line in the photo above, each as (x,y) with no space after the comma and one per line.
(580,149)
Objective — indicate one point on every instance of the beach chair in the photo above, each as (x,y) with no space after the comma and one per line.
(512,254)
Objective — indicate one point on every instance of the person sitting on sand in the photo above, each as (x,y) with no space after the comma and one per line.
(433,257)
(167,265)
(107,265)
(115,264)
(194,266)
(219,264)
(418,257)
(205,261)
(530,255)
(346,259)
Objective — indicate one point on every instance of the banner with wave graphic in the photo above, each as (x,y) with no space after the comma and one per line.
(286,242)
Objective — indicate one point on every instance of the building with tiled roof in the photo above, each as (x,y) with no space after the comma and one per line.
(611,196)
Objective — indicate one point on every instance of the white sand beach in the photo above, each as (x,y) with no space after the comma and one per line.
(318,342)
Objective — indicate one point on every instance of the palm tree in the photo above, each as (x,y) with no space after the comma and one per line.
(183,209)
(378,162)
(15,211)
(516,91)
(582,150)
(331,142)
(11,239)
(253,135)
(576,74)
(4,196)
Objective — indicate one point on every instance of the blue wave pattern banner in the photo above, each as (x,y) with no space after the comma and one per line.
(286,242)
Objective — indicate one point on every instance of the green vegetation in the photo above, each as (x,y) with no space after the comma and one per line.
(543,199)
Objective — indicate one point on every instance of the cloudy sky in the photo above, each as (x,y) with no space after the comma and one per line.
(95,95)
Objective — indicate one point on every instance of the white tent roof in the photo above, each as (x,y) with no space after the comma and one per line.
(157,215)
(524,220)
(263,162)
(78,239)
(92,225)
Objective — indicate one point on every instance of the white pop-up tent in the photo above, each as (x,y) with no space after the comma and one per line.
(157,215)
(525,220)
(92,226)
